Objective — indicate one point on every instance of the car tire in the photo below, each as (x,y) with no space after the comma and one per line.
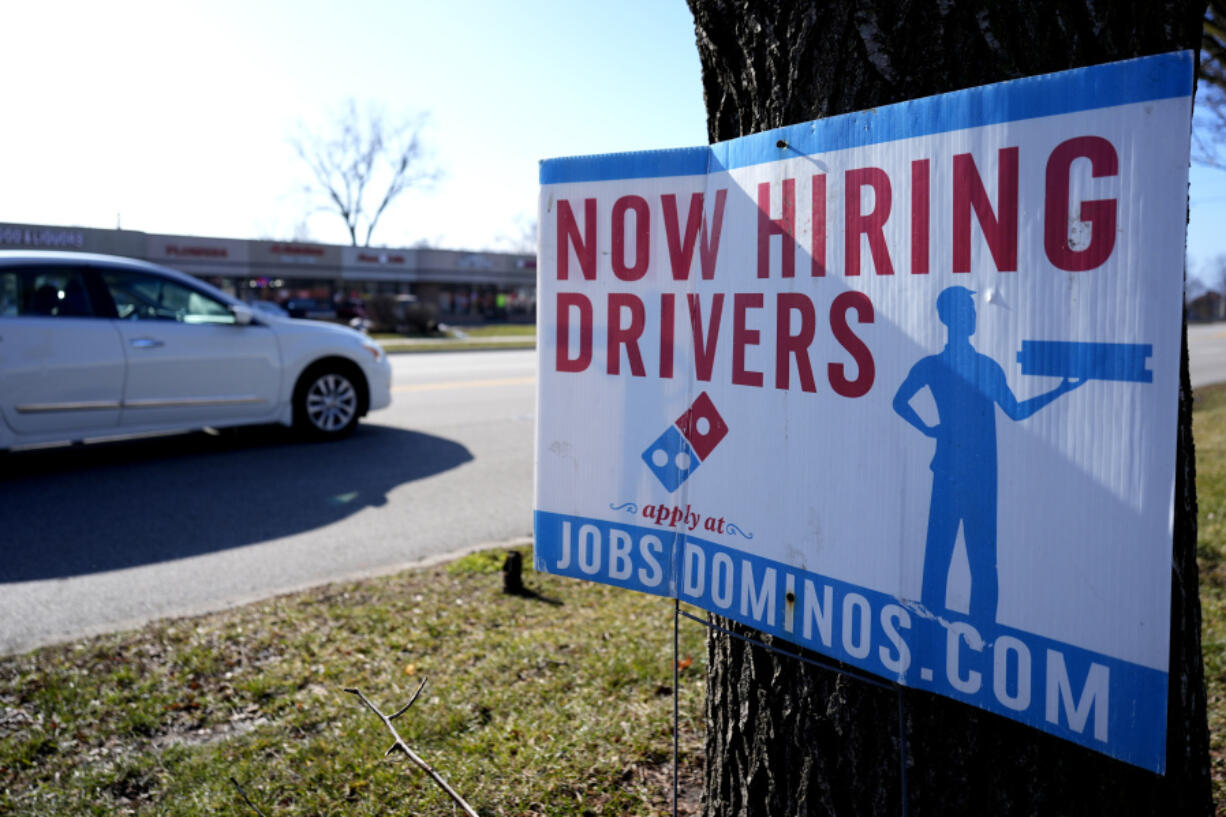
(327,402)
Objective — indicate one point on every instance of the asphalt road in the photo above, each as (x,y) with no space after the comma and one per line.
(1207,353)
(102,537)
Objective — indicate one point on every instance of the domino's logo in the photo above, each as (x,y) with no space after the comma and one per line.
(686,444)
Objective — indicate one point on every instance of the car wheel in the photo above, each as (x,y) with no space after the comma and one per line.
(326,404)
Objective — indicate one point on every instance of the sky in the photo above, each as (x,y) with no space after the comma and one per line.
(176,117)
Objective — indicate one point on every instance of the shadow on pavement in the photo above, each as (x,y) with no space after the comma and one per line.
(87,509)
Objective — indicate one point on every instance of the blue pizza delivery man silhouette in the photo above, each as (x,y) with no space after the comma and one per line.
(966,387)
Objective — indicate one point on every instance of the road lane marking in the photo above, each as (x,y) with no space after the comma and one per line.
(466,384)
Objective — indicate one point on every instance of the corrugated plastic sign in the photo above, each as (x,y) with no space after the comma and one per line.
(899,386)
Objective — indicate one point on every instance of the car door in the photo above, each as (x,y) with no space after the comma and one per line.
(61,360)
(190,363)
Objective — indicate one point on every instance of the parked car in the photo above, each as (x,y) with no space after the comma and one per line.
(268,308)
(313,308)
(401,313)
(348,310)
(94,346)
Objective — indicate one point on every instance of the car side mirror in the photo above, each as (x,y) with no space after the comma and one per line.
(242,314)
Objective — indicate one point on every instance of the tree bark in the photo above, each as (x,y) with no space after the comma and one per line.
(786,738)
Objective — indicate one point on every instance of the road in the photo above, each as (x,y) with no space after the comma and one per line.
(102,537)
(1207,353)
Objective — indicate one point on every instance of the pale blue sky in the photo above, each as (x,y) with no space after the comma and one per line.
(175,116)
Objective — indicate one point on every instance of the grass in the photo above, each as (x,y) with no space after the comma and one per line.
(476,338)
(493,330)
(457,345)
(1209,430)
(501,330)
(558,705)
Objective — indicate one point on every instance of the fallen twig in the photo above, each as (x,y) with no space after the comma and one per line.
(248,799)
(404,747)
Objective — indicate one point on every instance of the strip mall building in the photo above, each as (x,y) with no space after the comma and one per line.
(463,284)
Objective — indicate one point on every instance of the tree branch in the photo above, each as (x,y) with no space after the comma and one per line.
(404,747)
(349,170)
(248,799)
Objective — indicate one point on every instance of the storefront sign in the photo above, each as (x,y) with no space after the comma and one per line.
(43,238)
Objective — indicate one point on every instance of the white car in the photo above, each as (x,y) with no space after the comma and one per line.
(95,346)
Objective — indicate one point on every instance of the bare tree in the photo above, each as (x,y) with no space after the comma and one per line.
(522,238)
(1209,133)
(361,163)
(1195,289)
(1214,272)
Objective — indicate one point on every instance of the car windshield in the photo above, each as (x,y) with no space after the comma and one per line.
(139,296)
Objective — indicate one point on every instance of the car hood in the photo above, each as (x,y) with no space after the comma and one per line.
(301,326)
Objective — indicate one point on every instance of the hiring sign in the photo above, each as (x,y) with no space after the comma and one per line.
(899,386)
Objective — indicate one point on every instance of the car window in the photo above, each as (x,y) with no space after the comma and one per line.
(10,295)
(54,292)
(147,297)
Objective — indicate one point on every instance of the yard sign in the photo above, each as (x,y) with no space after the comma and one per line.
(899,386)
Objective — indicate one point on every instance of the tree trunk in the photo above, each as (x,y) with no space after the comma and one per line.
(785,738)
